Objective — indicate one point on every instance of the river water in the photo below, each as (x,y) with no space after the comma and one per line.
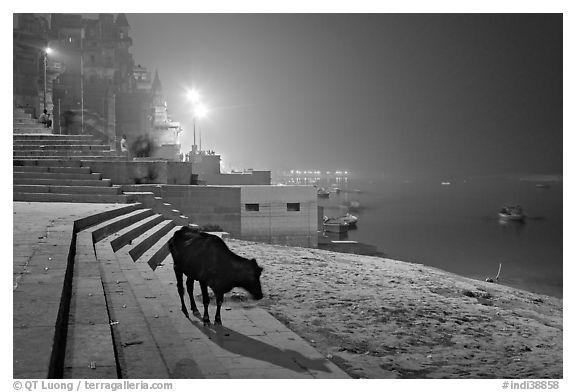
(455,226)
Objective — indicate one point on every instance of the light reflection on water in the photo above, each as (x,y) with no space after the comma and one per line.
(456,227)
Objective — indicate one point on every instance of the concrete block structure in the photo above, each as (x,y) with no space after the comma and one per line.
(280,215)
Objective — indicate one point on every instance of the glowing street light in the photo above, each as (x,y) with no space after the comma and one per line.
(194,96)
(200,111)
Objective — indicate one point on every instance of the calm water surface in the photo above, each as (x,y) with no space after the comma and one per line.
(456,227)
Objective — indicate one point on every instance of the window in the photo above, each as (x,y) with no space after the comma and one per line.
(253,207)
(293,207)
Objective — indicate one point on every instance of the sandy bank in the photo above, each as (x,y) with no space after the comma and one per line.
(381,318)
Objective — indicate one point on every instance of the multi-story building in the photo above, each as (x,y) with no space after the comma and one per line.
(33,70)
(89,82)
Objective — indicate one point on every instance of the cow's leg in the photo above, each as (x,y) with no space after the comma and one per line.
(190,288)
(219,300)
(206,301)
(180,285)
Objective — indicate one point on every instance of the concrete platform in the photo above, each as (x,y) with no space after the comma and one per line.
(151,337)
(42,237)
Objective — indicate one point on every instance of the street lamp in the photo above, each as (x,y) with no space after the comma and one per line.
(46,51)
(199,111)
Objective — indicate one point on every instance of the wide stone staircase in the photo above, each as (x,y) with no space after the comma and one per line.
(118,315)
(53,168)
(24,123)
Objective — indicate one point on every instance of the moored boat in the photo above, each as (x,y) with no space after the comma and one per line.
(348,219)
(336,227)
(511,213)
(323,193)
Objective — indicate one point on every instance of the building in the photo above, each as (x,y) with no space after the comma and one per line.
(33,70)
(286,215)
(89,82)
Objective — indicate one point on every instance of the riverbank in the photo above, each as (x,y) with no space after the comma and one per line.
(382,318)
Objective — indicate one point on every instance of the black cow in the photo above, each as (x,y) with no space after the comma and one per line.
(206,258)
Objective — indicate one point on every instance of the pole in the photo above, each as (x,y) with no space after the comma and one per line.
(59,119)
(200,136)
(45,84)
(81,87)
(194,121)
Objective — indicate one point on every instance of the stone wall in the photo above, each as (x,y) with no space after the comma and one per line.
(143,172)
(249,178)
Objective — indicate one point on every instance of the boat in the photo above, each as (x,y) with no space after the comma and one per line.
(336,227)
(348,219)
(514,213)
(323,193)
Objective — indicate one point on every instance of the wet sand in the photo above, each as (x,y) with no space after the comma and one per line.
(382,318)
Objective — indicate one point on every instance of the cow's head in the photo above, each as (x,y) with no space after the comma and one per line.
(253,284)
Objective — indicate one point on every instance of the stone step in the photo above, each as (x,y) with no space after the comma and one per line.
(70,198)
(87,157)
(47,162)
(62,153)
(28,124)
(98,190)
(50,136)
(58,176)
(28,131)
(156,254)
(111,226)
(51,169)
(63,147)
(143,331)
(138,355)
(20,113)
(89,343)
(62,182)
(50,142)
(92,220)
(128,234)
(24,120)
(143,242)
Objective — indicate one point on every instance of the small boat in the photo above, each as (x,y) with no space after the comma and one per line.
(336,227)
(323,193)
(348,219)
(446,183)
(514,213)
(543,186)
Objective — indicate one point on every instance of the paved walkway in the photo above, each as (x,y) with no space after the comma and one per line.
(251,344)
(42,234)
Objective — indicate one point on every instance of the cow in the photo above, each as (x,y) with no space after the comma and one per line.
(206,258)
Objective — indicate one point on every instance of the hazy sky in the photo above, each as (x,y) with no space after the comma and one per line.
(390,93)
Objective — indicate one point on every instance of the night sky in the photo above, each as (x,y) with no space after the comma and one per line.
(396,94)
